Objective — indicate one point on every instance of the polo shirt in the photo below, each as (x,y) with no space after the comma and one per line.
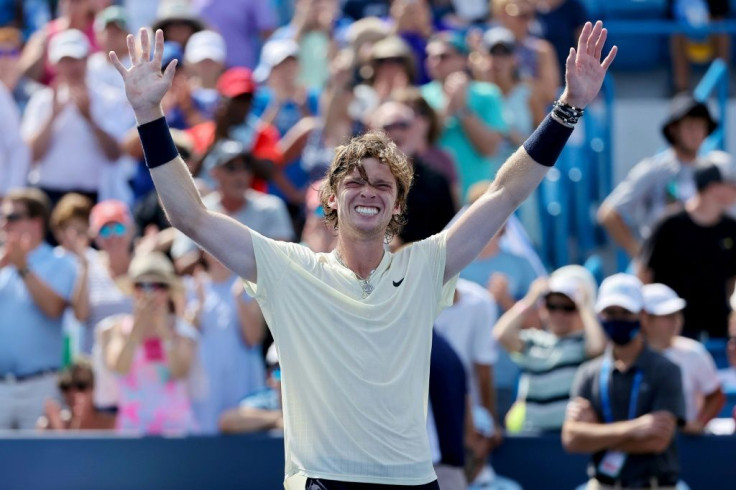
(29,340)
(661,389)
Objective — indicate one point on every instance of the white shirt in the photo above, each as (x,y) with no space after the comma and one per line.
(74,160)
(699,374)
(468,325)
(355,372)
(14,153)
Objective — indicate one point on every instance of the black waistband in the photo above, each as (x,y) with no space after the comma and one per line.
(662,481)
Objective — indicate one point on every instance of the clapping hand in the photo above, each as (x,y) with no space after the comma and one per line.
(145,84)
(584,71)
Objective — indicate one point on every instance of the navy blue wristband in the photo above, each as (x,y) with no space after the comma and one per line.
(158,146)
(546,143)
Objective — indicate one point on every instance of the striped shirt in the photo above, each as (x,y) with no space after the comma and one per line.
(548,364)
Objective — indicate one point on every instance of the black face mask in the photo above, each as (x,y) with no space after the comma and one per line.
(621,332)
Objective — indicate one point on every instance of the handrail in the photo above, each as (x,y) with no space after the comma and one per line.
(715,80)
(662,26)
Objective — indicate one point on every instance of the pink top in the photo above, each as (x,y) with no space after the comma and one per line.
(151,402)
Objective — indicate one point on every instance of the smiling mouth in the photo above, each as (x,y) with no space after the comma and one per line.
(366,210)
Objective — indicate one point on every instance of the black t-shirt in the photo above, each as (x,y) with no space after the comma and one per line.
(697,262)
(429,205)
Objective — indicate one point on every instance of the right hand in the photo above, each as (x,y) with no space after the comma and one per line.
(538,288)
(145,85)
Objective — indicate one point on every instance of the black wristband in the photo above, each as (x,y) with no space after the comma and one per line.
(158,146)
(546,143)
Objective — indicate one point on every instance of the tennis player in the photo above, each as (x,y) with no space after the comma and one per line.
(353,327)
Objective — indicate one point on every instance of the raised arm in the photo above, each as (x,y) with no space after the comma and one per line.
(526,168)
(145,85)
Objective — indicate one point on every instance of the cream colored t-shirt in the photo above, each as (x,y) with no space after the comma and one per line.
(355,372)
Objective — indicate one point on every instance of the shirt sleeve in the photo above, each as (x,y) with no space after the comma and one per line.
(435,249)
(633,190)
(15,153)
(271,262)
(61,278)
(654,247)
(669,395)
(582,385)
(706,373)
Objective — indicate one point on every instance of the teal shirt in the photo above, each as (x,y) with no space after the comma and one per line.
(486,102)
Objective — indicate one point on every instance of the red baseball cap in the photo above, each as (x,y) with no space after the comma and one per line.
(236,81)
(108,211)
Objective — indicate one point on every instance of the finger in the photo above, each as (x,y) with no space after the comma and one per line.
(158,50)
(132,49)
(601,42)
(170,70)
(609,59)
(593,38)
(145,45)
(584,35)
(570,61)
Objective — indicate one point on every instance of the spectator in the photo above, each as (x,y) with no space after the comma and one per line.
(68,127)
(684,49)
(661,324)
(392,65)
(312,27)
(204,62)
(727,375)
(244,24)
(467,325)
(152,352)
(30,15)
(14,153)
(36,60)
(21,87)
(317,235)
(412,21)
(178,21)
(261,410)
(536,57)
(471,112)
(626,404)
(429,204)
(111,30)
(640,201)
(428,131)
(234,120)
(36,286)
(182,111)
(231,330)
(232,169)
(549,357)
(692,251)
(560,22)
(76,384)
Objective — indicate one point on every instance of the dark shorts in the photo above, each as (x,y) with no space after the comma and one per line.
(322,484)
(718,8)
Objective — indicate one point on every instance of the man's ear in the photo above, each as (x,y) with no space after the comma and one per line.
(332,202)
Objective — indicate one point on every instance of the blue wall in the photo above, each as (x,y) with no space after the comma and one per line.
(256,462)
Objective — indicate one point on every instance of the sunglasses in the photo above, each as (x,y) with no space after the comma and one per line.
(400,125)
(78,386)
(149,287)
(232,167)
(14,217)
(500,50)
(562,308)
(390,60)
(113,229)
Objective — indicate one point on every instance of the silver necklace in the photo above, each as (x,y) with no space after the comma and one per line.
(365,284)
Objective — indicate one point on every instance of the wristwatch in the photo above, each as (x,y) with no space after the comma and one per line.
(23,272)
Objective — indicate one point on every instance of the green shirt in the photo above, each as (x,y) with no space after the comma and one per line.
(485,101)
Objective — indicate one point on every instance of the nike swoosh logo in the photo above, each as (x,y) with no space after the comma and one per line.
(398,283)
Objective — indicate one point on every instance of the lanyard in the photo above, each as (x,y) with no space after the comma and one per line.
(605,377)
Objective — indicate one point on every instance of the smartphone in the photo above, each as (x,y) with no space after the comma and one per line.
(154,349)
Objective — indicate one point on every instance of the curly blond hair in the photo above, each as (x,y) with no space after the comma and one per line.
(373,144)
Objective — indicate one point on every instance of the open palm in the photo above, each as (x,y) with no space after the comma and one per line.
(584,71)
(145,84)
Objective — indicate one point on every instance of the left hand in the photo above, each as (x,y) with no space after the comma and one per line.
(584,72)
(580,410)
(16,250)
(80,96)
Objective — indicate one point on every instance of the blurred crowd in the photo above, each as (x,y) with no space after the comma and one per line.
(111,319)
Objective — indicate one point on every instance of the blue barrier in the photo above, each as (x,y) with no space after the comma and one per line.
(256,462)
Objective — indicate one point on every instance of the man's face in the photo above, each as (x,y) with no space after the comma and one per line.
(618,313)
(233,178)
(112,38)
(562,313)
(235,109)
(365,207)
(398,122)
(690,133)
(724,193)
(72,70)
(443,60)
(285,73)
(14,219)
(661,329)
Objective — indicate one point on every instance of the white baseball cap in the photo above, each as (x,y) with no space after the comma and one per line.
(622,290)
(273,54)
(660,299)
(205,45)
(70,43)
(576,282)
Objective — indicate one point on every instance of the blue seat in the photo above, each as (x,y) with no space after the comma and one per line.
(636,9)
(717,349)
